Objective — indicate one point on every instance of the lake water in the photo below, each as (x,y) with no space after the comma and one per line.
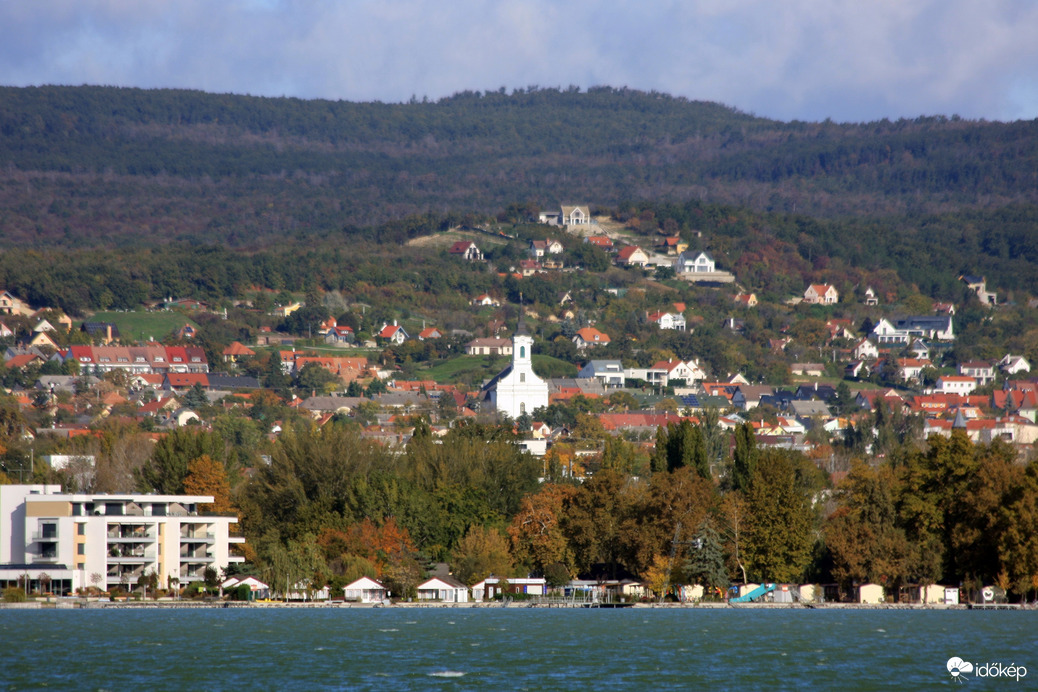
(507,649)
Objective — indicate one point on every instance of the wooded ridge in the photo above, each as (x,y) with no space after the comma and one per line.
(103,165)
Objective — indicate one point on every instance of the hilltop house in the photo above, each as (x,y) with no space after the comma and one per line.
(694,263)
(821,294)
(393,333)
(609,372)
(632,256)
(541,248)
(466,249)
(699,267)
(667,320)
(489,347)
(904,331)
(567,216)
(589,336)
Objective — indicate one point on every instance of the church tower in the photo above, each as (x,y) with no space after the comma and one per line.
(518,390)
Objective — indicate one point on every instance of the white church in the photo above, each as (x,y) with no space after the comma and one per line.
(517,389)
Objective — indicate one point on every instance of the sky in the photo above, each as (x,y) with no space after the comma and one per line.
(849,60)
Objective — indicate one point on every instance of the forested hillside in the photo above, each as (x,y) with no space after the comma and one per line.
(96,165)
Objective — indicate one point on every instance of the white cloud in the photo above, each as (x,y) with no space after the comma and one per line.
(806,59)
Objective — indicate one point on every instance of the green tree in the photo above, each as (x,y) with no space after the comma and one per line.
(706,563)
(196,398)
(680,445)
(780,532)
(165,471)
(482,552)
(864,535)
(744,457)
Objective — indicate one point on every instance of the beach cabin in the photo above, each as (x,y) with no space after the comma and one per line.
(930,594)
(811,593)
(871,593)
(365,590)
(492,586)
(445,589)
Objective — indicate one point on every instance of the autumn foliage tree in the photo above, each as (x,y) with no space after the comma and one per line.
(206,476)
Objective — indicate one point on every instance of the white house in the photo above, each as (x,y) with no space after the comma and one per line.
(866,350)
(589,337)
(910,369)
(365,590)
(517,390)
(1012,365)
(540,248)
(821,294)
(668,320)
(393,333)
(466,249)
(632,256)
(75,537)
(956,384)
(870,297)
(982,372)
(689,371)
(444,589)
(904,331)
(576,216)
(694,263)
(609,372)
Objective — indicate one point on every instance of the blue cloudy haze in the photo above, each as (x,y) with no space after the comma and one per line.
(851,60)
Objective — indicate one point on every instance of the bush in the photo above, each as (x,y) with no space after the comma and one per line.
(14,594)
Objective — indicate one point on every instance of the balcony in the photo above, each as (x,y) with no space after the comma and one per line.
(45,537)
(126,555)
(198,538)
(141,534)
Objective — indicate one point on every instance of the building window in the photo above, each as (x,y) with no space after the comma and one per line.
(81,549)
(522,377)
(81,529)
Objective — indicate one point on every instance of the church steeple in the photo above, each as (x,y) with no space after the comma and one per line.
(520,328)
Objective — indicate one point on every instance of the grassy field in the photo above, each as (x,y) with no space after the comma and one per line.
(134,326)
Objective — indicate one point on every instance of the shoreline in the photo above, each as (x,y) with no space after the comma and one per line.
(78,604)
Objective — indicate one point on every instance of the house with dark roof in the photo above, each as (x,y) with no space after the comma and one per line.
(466,249)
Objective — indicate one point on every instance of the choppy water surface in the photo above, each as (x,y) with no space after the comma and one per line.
(506,649)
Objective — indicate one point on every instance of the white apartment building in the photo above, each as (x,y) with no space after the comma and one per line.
(82,540)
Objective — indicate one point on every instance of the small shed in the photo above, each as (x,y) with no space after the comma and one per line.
(445,589)
(812,593)
(365,590)
(931,593)
(871,593)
